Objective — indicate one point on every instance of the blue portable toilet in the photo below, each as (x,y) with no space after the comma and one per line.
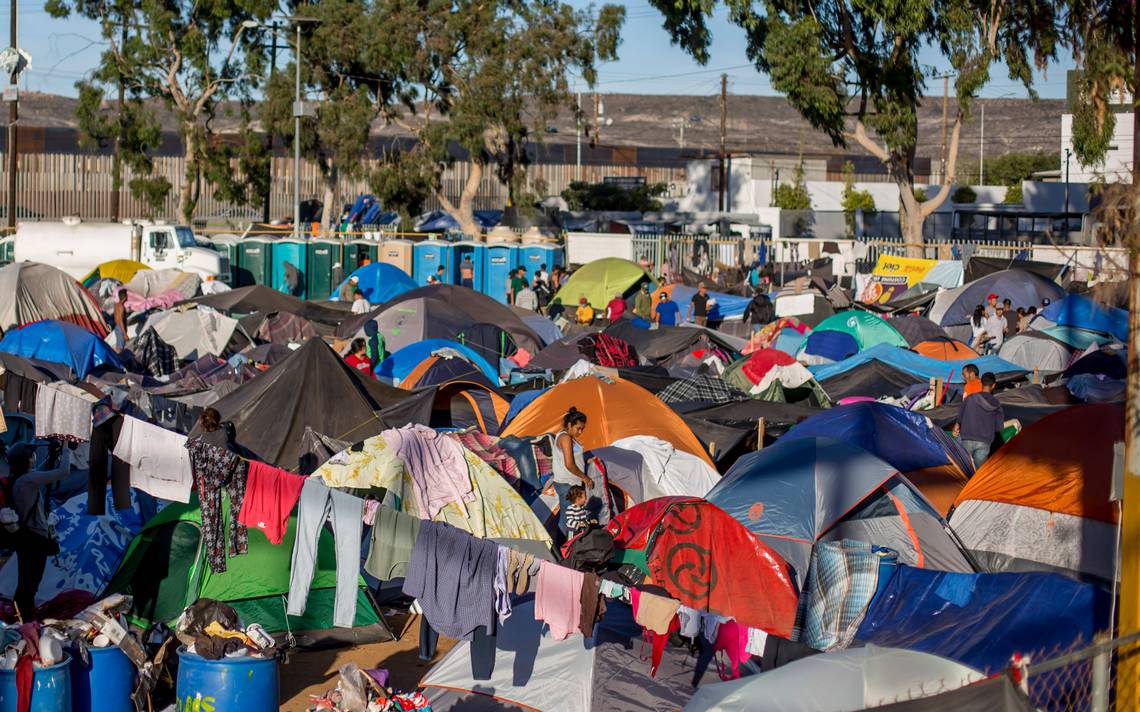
(502,259)
(427,257)
(477,253)
(295,252)
(536,254)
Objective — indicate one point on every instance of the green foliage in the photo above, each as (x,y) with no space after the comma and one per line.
(1101,38)
(605,196)
(920,195)
(854,200)
(965,194)
(1012,168)
(1013,194)
(794,195)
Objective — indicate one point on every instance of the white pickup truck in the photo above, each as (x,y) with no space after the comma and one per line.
(77,247)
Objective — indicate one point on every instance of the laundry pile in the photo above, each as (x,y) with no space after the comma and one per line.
(213,630)
(367,691)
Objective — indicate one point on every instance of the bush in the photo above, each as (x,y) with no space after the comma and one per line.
(965,194)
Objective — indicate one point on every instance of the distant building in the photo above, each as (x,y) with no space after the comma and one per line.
(1117,164)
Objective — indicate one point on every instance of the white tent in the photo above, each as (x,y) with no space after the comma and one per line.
(1033,350)
(193,333)
(667,471)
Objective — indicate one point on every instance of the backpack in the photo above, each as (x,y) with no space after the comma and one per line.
(589,551)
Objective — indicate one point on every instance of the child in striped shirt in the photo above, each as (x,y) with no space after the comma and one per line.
(577,516)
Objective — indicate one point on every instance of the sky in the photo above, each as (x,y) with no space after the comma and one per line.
(63,51)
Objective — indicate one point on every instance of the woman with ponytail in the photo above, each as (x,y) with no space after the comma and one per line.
(569,463)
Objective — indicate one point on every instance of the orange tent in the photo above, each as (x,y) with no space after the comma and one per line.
(1042,500)
(945,350)
(613,411)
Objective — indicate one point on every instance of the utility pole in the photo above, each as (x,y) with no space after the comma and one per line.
(13,117)
(265,207)
(298,112)
(982,147)
(578,139)
(945,121)
(117,158)
(596,135)
(723,131)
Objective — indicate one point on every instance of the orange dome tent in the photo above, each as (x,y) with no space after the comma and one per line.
(945,350)
(614,410)
(1041,502)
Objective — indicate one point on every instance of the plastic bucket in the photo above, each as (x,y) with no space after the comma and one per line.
(245,684)
(51,689)
(105,684)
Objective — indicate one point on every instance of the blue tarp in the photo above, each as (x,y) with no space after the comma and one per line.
(398,365)
(789,341)
(439,221)
(916,364)
(728,306)
(981,620)
(1095,388)
(900,437)
(379,282)
(833,345)
(1079,311)
(1077,338)
(520,401)
(61,342)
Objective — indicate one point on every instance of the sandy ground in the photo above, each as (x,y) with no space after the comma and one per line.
(313,673)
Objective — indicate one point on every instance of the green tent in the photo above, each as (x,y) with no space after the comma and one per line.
(165,570)
(865,328)
(600,280)
(811,391)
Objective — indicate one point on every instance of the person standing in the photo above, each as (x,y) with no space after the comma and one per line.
(666,313)
(973,382)
(467,272)
(568,462)
(358,357)
(995,326)
(615,309)
(518,283)
(121,321)
(346,291)
(991,304)
(643,303)
(543,274)
(760,311)
(526,298)
(698,311)
(980,419)
(360,305)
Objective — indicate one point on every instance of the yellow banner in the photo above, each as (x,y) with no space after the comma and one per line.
(894,275)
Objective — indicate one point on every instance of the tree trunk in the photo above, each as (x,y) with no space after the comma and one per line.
(330,206)
(188,191)
(910,218)
(464,212)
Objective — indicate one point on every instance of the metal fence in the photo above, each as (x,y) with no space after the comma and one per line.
(1085,677)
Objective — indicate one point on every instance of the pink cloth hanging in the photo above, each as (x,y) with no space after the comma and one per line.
(558,599)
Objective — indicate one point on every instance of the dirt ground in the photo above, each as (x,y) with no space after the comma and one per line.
(313,673)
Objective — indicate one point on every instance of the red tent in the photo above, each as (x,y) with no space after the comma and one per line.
(762,361)
(709,561)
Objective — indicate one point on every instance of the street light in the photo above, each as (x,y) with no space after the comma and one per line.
(299,112)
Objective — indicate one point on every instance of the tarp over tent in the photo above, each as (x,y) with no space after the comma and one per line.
(1041,502)
(613,410)
(193,333)
(379,282)
(1077,310)
(32,292)
(917,365)
(600,280)
(260,298)
(119,270)
(314,388)
(61,342)
(726,306)
(401,363)
(667,343)
(838,681)
(935,462)
(795,493)
(1023,288)
(916,329)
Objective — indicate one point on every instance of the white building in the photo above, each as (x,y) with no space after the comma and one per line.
(1117,164)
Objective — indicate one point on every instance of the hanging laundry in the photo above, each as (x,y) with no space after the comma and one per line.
(270,495)
(158,459)
(518,572)
(372,463)
(690,621)
(656,639)
(63,410)
(732,641)
(316,504)
(655,612)
(452,576)
(216,468)
(393,539)
(487,449)
(593,604)
(437,466)
(502,590)
(558,599)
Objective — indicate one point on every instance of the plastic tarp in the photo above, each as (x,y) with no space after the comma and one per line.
(1097,389)
(828,345)
(31,292)
(982,620)
(260,298)
(1079,339)
(1079,311)
(61,342)
(379,282)
(600,280)
(439,221)
(193,333)
(667,471)
(118,270)
(838,681)
(400,363)
(154,282)
(546,329)
(916,329)
(1023,288)
(614,410)
(917,365)
(873,379)
(727,306)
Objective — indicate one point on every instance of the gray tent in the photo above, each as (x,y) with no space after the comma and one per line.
(1036,350)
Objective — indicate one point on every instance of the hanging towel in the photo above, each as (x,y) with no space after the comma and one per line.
(270,495)
(558,600)
(452,576)
(394,537)
(63,410)
(655,612)
(159,460)
(436,465)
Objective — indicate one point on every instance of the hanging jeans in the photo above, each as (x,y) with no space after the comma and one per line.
(102,464)
(316,504)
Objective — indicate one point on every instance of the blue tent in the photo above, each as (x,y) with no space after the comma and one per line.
(906,440)
(981,620)
(1022,287)
(398,365)
(520,401)
(1077,310)
(439,221)
(917,364)
(379,282)
(801,491)
(61,342)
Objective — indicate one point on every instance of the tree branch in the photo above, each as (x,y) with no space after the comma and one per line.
(860,136)
(927,208)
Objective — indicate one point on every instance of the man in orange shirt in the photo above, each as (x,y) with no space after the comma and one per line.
(973,382)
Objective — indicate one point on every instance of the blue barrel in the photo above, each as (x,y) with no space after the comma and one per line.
(105,684)
(246,684)
(51,689)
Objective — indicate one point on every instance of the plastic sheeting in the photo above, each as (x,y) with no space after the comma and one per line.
(917,365)
(193,333)
(667,471)
(1079,311)
(31,292)
(61,342)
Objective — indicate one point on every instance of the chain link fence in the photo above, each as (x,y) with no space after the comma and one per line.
(1101,676)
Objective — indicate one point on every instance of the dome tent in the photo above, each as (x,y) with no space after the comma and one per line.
(61,342)
(600,280)
(379,282)
(32,292)
(847,333)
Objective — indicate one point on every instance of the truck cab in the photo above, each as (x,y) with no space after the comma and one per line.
(175,247)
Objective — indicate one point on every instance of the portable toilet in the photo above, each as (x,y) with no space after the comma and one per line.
(357,253)
(227,246)
(398,253)
(502,259)
(477,253)
(326,269)
(292,251)
(428,256)
(254,263)
(536,254)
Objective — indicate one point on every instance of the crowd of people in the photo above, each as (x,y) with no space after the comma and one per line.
(996,321)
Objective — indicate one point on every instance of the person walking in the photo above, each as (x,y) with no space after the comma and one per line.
(121,321)
(666,313)
(698,311)
(980,419)
(643,303)
(569,463)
